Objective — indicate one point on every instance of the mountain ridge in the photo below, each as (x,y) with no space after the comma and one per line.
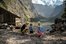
(47,11)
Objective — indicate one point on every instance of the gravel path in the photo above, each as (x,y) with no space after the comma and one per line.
(13,37)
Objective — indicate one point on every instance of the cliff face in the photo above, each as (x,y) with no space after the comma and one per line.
(22,8)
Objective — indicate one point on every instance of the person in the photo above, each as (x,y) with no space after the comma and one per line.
(23,27)
(31,28)
(11,27)
(39,31)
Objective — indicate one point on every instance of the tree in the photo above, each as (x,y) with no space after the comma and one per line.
(64,13)
(2,4)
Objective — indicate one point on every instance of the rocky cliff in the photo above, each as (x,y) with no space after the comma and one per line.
(22,8)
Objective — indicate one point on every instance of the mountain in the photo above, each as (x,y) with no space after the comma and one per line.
(48,2)
(58,13)
(26,9)
(43,10)
(57,10)
(22,8)
(48,11)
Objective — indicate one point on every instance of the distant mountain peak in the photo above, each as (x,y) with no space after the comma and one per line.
(48,2)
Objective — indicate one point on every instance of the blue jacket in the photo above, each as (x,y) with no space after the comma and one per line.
(31,28)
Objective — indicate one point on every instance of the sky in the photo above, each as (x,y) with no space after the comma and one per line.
(48,2)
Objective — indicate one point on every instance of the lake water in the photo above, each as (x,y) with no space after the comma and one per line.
(45,26)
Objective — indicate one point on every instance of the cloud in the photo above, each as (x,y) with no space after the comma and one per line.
(38,2)
(48,2)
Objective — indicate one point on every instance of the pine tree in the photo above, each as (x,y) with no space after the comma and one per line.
(64,13)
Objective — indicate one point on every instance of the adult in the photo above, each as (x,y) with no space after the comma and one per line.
(23,27)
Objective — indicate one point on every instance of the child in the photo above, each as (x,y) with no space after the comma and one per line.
(39,31)
(31,28)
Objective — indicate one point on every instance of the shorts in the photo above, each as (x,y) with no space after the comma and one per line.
(39,33)
(31,31)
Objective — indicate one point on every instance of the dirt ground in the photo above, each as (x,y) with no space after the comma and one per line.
(14,37)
